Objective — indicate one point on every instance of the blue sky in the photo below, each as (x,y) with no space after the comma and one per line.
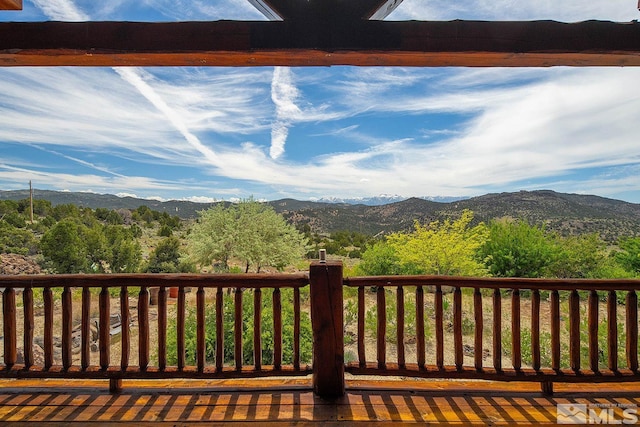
(227,133)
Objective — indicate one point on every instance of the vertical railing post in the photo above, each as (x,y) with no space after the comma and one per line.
(10,337)
(325,280)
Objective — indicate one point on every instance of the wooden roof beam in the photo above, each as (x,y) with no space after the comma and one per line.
(363,43)
(10,4)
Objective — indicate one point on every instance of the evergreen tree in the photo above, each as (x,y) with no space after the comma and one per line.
(63,247)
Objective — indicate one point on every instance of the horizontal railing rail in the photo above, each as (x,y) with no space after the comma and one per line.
(65,298)
(579,312)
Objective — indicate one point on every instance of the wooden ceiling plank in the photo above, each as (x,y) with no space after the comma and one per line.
(10,4)
(367,43)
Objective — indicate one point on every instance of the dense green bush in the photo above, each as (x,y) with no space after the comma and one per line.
(629,254)
(517,249)
(16,240)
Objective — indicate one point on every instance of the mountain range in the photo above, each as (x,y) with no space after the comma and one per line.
(564,213)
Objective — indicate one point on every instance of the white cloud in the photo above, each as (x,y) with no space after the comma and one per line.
(284,95)
(133,195)
(61,10)
(135,78)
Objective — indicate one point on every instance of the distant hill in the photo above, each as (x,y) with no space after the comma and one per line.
(184,209)
(565,213)
(383,199)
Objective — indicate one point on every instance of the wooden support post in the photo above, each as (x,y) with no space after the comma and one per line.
(632,330)
(277,329)
(420,344)
(125,339)
(219,330)
(362,358)
(85,350)
(516,342)
(457,328)
(67,328)
(47,297)
(400,325)
(237,329)
(327,322)
(555,330)
(143,325)
(296,329)
(29,323)
(593,331)
(439,328)
(115,385)
(612,330)
(497,330)
(104,340)
(9,314)
(535,329)
(181,315)
(202,330)
(162,328)
(477,347)
(257,327)
(381,335)
(574,330)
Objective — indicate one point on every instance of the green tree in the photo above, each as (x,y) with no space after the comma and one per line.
(249,231)
(8,206)
(143,213)
(582,257)
(63,247)
(95,247)
(213,237)
(165,258)
(123,250)
(380,259)
(517,249)
(165,231)
(264,237)
(114,218)
(442,248)
(41,207)
(16,240)
(15,219)
(629,255)
(60,212)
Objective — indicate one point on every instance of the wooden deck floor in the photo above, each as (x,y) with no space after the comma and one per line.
(291,402)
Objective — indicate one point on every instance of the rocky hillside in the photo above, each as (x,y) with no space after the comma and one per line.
(564,213)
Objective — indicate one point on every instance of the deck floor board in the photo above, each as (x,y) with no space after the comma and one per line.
(291,402)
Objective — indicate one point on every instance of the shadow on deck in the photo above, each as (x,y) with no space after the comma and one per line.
(287,401)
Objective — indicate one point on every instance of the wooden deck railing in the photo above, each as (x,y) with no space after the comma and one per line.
(581,313)
(75,358)
(418,326)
